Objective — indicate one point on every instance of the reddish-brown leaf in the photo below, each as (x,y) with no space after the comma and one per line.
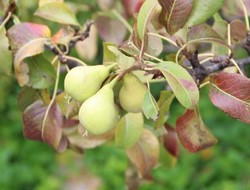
(231,93)
(110,29)
(132,6)
(170,140)
(238,31)
(20,34)
(174,14)
(145,153)
(33,119)
(192,133)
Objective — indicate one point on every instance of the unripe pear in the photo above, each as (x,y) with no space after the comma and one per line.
(84,81)
(131,95)
(98,114)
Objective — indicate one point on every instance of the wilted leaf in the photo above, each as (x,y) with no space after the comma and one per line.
(32,123)
(238,31)
(110,29)
(164,102)
(63,36)
(21,34)
(231,93)
(174,14)
(170,141)
(192,133)
(203,10)
(149,106)
(5,54)
(180,81)
(145,153)
(31,48)
(41,72)
(57,12)
(144,16)
(123,61)
(78,139)
(27,97)
(87,49)
(132,6)
(128,130)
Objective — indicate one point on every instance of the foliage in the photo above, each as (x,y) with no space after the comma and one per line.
(183,50)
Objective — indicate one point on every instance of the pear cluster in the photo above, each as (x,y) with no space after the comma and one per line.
(98,112)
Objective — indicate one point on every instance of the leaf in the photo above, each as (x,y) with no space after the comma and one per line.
(43,2)
(144,16)
(20,34)
(26,97)
(238,31)
(132,6)
(164,102)
(145,153)
(149,106)
(108,55)
(110,29)
(128,130)
(57,12)
(174,14)
(41,72)
(5,54)
(81,141)
(203,10)
(33,47)
(88,48)
(33,119)
(180,81)
(170,141)
(123,61)
(192,133)
(231,93)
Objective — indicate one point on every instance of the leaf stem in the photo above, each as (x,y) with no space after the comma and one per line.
(237,66)
(229,37)
(245,14)
(123,20)
(5,20)
(163,37)
(52,100)
(74,59)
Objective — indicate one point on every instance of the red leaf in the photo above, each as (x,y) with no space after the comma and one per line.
(231,93)
(170,140)
(174,14)
(145,153)
(132,6)
(20,34)
(33,119)
(193,134)
(110,29)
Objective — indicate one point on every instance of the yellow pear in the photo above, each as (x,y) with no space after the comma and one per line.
(82,82)
(132,93)
(98,114)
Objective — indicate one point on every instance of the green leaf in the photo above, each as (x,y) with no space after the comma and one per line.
(57,12)
(108,55)
(180,81)
(129,130)
(166,98)
(5,54)
(150,107)
(144,16)
(41,72)
(203,10)
(123,61)
(26,97)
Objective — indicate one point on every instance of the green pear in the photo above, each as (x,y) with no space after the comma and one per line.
(98,114)
(82,82)
(131,95)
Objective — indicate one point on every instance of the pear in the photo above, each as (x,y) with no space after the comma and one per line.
(132,93)
(98,114)
(82,82)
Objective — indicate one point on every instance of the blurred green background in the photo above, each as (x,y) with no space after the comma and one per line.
(30,165)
